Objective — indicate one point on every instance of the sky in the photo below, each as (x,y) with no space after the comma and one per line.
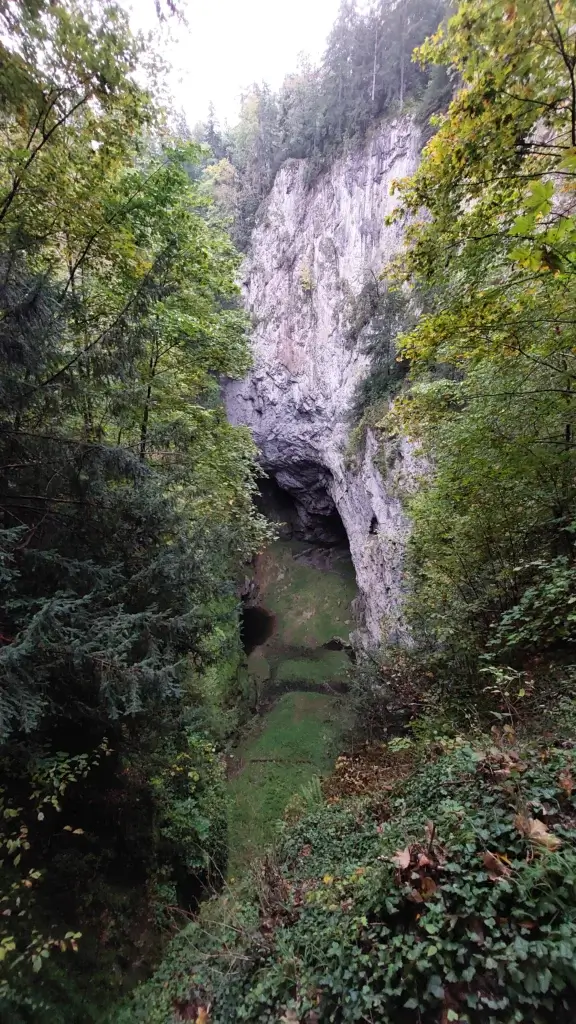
(230,43)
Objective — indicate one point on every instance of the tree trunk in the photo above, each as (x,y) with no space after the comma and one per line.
(152,364)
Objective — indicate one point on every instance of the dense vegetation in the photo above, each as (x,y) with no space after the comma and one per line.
(366,74)
(493,358)
(125,512)
(436,900)
(431,878)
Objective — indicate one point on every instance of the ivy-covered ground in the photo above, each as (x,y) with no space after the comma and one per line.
(448,895)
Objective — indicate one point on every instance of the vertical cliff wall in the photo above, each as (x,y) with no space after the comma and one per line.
(312,251)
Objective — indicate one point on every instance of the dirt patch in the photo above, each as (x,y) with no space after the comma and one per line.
(374,768)
(267,572)
(324,559)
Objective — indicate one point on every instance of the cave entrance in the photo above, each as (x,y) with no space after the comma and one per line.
(299,500)
(256,626)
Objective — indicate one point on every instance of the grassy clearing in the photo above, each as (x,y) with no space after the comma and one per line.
(330,666)
(298,739)
(311,600)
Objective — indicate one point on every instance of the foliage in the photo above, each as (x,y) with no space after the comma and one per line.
(49,778)
(543,616)
(125,497)
(378,316)
(190,791)
(449,897)
(493,355)
(306,279)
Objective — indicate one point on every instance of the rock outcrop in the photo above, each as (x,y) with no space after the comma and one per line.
(312,252)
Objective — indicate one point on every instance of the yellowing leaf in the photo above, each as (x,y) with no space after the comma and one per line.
(495,867)
(428,887)
(536,832)
(567,782)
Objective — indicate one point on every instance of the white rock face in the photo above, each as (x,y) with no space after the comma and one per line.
(311,252)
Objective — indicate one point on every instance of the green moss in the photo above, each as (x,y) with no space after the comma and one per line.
(297,740)
(310,591)
(311,603)
(330,666)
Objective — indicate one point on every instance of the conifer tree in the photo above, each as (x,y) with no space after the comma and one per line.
(125,497)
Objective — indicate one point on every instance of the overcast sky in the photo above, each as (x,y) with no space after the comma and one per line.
(230,43)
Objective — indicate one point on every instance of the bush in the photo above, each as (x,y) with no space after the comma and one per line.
(545,615)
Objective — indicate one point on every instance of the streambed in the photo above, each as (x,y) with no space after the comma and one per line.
(304,599)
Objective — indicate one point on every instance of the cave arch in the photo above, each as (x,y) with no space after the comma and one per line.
(299,496)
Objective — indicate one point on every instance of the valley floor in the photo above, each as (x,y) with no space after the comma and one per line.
(309,591)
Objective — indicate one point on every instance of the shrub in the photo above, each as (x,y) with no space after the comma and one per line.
(545,615)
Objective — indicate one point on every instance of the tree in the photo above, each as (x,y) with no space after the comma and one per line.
(365,74)
(493,362)
(125,497)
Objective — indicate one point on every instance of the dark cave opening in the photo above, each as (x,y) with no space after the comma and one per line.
(298,499)
(256,626)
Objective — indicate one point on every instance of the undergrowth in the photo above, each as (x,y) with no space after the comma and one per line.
(444,892)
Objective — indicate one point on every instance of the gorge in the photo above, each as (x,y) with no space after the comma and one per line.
(313,250)
(288,516)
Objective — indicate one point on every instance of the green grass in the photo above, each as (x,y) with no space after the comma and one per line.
(297,740)
(311,605)
(330,666)
(298,737)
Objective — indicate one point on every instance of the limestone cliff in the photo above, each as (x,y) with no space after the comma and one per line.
(311,253)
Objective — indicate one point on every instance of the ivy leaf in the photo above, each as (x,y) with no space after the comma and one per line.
(435,986)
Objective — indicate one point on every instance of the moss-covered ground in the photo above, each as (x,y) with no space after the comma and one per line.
(310,592)
(298,739)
